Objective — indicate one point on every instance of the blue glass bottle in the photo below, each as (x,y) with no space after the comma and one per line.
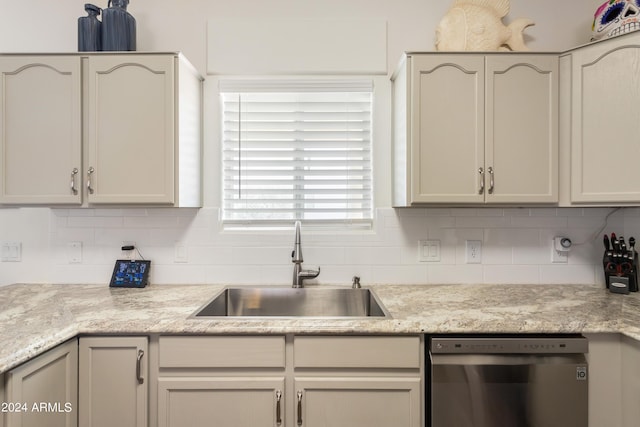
(89,30)
(118,27)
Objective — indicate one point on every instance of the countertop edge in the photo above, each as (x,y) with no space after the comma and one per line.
(74,310)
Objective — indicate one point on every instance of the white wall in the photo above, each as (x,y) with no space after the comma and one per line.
(516,241)
(167,25)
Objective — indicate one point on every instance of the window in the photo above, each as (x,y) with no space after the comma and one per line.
(297,151)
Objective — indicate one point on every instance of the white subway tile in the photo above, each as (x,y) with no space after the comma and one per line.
(455,274)
(512,274)
(95,221)
(150,221)
(406,274)
(482,222)
(569,274)
(539,222)
(543,212)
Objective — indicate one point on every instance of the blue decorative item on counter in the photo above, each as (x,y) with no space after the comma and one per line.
(89,34)
(118,27)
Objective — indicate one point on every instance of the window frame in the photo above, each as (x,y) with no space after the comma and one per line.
(270,85)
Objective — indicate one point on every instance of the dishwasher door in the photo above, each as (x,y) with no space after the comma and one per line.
(508,390)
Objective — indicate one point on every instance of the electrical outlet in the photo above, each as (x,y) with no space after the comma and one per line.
(429,250)
(474,251)
(181,254)
(74,252)
(559,252)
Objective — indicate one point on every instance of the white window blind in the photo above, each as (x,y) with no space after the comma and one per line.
(297,151)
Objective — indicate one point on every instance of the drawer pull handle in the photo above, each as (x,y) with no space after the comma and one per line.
(89,173)
(491,183)
(481,172)
(139,367)
(278,413)
(299,408)
(74,172)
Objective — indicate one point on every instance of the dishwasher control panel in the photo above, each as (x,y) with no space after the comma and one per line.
(509,345)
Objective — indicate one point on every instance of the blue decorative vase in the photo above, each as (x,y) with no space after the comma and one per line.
(118,27)
(89,34)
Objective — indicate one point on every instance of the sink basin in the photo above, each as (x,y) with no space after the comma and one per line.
(293,302)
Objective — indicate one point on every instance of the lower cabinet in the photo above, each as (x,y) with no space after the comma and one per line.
(113,381)
(345,381)
(44,390)
(630,353)
(348,402)
(194,402)
(308,381)
(221,381)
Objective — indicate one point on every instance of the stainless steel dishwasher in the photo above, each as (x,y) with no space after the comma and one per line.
(508,381)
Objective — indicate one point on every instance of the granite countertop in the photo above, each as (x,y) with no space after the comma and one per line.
(34,318)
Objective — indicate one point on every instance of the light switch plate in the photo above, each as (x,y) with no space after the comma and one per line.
(429,250)
(11,252)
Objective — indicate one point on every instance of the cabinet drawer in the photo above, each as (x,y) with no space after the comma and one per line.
(356,352)
(222,352)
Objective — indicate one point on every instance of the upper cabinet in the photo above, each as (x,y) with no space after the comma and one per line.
(100,129)
(472,128)
(40,129)
(604,115)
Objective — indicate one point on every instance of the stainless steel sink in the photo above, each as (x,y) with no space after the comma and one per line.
(290,302)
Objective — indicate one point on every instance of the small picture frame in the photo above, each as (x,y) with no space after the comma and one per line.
(130,274)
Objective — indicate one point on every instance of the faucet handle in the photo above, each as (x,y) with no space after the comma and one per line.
(355,284)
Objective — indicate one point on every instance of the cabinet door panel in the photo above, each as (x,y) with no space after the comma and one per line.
(50,379)
(522,129)
(40,118)
(131,129)
(371,402)
(447,130)
(605,125)
(219,402)
(110,392)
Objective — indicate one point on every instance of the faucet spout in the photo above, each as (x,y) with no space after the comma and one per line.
(297,246)
(299,275)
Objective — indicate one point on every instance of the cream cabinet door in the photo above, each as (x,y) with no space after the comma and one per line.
(447,128)
(113,382)
(221,402)
(348,402)
(521,119)
(46,388)
(630,382)
(131,129)
(41,131)
(605,140)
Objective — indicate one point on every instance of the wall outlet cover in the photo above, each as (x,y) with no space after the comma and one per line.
(11,252)
(473,251)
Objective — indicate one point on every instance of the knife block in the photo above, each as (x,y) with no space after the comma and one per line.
(622,283)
